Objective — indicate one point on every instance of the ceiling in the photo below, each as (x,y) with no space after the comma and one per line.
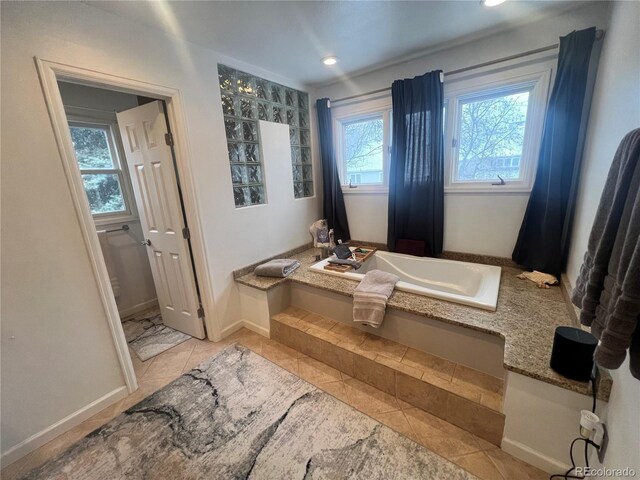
(290,38)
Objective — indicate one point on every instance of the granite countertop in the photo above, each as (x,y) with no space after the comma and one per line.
(526,316)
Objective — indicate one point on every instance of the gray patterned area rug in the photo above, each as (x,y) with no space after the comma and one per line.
(148,336)
(239,416)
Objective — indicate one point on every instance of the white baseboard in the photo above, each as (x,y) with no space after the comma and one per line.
(533,457)
(256,328)
(76,418)
(140,307)
(234,327)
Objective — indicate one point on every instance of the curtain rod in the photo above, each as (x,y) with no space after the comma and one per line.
(599,36)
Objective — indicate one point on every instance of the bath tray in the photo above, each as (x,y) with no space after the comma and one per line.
(364,255)
(360,257)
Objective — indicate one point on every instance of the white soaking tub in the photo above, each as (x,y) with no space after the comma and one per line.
(459,282)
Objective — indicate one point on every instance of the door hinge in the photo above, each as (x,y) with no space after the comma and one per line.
(186,234)
(168,138)
(201,312)
(454,142)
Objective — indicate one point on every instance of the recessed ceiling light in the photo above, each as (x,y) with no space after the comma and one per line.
(491,3)
(329,60)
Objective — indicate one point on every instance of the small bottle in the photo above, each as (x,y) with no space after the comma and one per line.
(332,241)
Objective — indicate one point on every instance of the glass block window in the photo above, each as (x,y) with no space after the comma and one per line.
(247,99)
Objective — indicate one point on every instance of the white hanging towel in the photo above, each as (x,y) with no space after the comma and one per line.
(108,260)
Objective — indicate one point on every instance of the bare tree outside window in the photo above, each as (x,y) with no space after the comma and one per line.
(363,150)
(492,137)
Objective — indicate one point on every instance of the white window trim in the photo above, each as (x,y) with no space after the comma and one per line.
(102,119)
(361,110)
(538,74)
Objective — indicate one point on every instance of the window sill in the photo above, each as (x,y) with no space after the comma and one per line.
(370,189)
(102,221)
(487,189)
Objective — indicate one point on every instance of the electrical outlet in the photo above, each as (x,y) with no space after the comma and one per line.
(603,443)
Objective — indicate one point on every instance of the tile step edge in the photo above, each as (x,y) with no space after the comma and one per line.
(477,407)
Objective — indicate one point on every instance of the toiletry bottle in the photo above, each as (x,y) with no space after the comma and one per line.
(332,242)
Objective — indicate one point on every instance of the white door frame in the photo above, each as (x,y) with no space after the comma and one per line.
(50,73)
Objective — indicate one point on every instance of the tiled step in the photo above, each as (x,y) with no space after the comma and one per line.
(470,399)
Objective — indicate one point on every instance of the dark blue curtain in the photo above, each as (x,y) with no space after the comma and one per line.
(416,180)
(544,235)
(333,208)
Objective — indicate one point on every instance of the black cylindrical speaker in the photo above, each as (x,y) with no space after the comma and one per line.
(572,353)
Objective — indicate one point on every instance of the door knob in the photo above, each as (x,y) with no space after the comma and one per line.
(146,242)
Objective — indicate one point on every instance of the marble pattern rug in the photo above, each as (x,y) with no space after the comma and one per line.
(239,416)
(148,336)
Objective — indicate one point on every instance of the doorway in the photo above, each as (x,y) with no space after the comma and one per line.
(133,194)
(174,167)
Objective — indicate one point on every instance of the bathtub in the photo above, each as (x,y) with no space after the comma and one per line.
(470,284)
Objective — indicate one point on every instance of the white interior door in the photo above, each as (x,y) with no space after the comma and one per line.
(143,130)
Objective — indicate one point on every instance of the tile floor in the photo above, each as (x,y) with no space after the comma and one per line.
(470,452)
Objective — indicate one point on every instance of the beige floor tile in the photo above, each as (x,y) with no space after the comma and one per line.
(273,351)
(290,365)
(211,347)
(478,464)
(375,374)
(167,365)
(316,372)
(318,321)
(146,386)
(358,351)
(475,418)
(348,335)
(511,467)
(186,346)
(399,366)
(252,340)
(368,399)
(281,355)
(287,334)
(382,346)
(421,394)
(336,389)
(403,405)
(38,457)
(468,376)
(439,436)
(296,312)
(429,363)
(492,401)
(291,321)
(463,390)
(397,421)
(139,367)
(326,335)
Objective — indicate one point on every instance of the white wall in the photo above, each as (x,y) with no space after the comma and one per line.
(614,112)
(62,357)
(474,223)
(131,263)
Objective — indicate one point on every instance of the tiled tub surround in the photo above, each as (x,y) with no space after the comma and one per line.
(462,396)
(525,319)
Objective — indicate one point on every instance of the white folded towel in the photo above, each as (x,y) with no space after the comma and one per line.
(108,260)
(370,297)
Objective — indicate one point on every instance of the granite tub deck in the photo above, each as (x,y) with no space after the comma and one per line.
(525,319)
